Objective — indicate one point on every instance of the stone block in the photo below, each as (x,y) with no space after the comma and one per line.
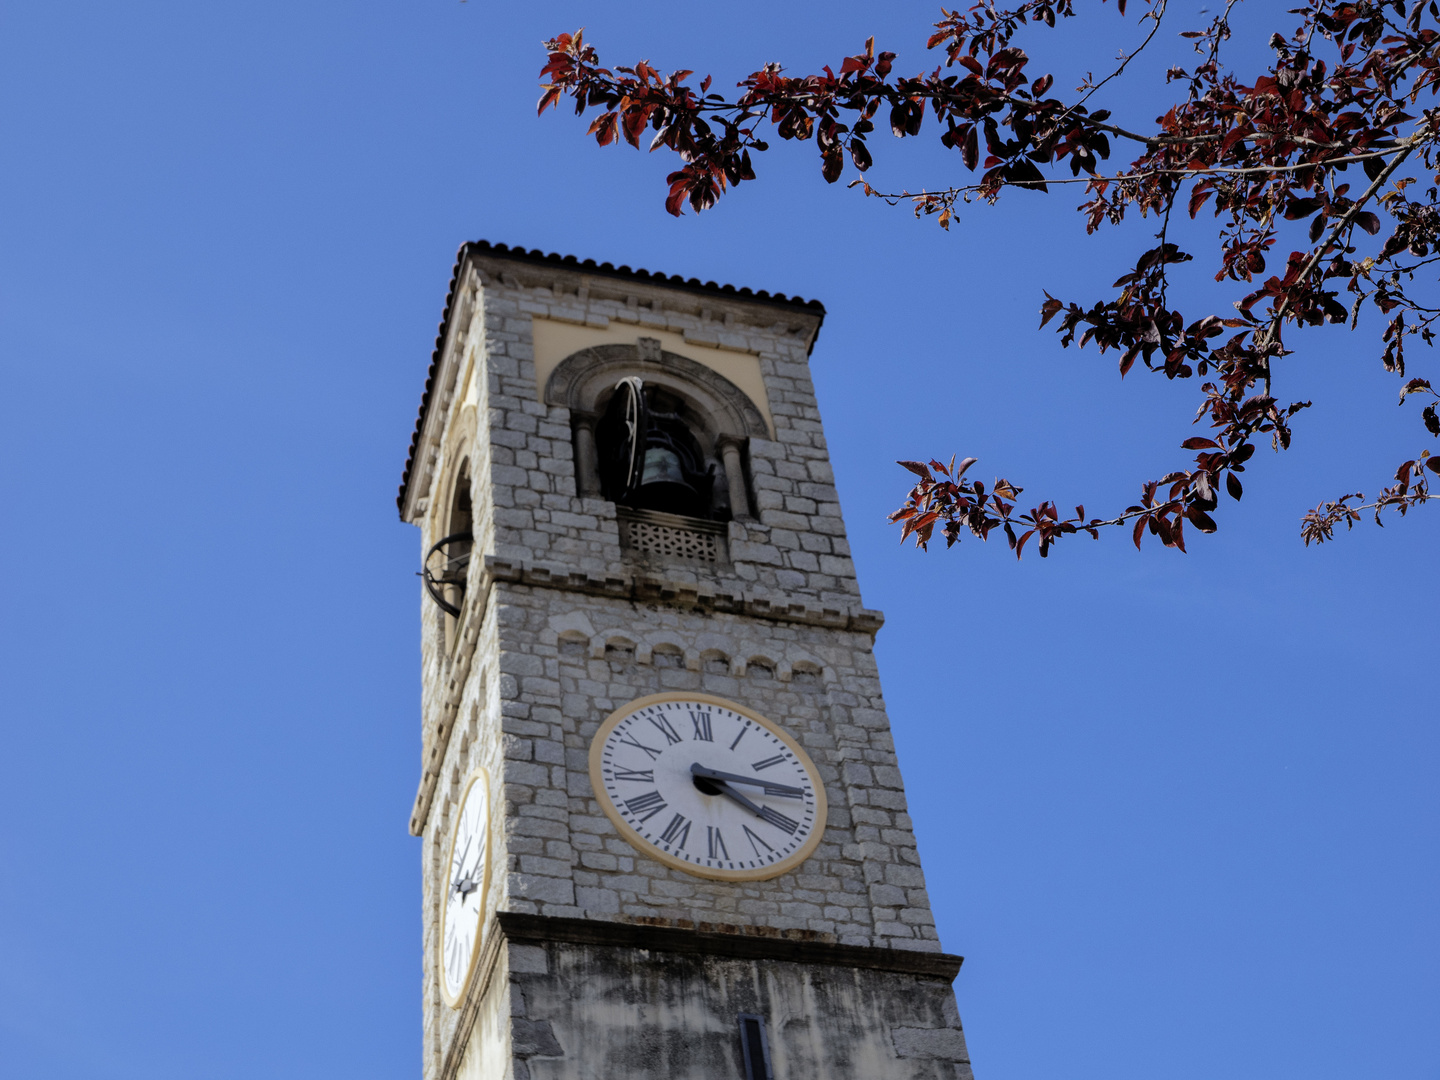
(527,960)
(907,876)
(552,890)
(937,1044)
(524,772)
(599,901)
(887,895)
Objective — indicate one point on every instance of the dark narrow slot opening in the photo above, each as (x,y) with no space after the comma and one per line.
(754,1049)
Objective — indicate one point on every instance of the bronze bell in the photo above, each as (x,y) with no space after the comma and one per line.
(663,485)
(654,463)
(662,466)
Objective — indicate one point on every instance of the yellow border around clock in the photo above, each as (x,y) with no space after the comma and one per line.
(640,844)
(481,776)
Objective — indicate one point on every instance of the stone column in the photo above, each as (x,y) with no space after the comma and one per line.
(587,459)
(735,477)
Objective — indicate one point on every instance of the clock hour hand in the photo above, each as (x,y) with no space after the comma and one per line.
(770,789)
(462,884)
(733,795)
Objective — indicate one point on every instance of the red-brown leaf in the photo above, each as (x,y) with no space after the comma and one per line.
(1200,519)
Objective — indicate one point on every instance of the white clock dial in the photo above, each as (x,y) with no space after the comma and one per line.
(708,786)
(465,887)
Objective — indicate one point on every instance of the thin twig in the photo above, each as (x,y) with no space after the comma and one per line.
(1402,149)
(1156,14)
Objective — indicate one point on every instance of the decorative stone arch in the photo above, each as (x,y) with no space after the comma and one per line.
(762,666)
(451,512)
(572,643)
(807,672)
(665,642)
(459,452)
(666,655)
(613,645)
(714,661)
(665,637)
(584,381)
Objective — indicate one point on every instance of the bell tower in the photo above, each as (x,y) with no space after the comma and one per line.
(664,835)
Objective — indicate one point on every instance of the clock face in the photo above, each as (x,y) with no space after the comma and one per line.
(463,906)
(707,786)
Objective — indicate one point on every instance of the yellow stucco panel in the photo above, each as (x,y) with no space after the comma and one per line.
(554,341)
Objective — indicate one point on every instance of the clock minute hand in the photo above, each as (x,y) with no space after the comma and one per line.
(770,788)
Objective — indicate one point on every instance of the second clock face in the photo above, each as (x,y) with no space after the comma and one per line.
(707,786)
(463,908)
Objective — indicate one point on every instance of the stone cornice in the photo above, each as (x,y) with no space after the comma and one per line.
(650,589)
(736,942)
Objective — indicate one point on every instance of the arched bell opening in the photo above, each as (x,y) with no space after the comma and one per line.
(698,423)
(654,451)
(446,567)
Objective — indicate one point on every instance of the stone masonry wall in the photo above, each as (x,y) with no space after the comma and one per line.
(654,1015)
(567,662)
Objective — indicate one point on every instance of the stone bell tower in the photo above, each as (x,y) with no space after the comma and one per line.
(664,832)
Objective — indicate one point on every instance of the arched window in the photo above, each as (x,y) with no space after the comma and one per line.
(447,564)
(658,433)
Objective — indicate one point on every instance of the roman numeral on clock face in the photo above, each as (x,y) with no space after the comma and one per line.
(454,960)
(701,720)
(779,820)
(716,843)
(767,762)
(662,724)
(646,806)
(677,832)
(630,740)
(645,775)
(754,841)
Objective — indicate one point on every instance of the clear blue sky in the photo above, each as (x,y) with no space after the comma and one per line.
(1180,813)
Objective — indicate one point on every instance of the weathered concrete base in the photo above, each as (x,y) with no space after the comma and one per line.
(589,1000)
